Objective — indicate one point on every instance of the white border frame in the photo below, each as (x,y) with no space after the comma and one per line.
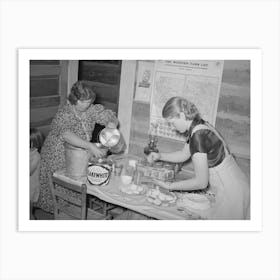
(254,55)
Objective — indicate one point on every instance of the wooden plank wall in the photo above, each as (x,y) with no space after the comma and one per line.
(103,77)
(233,116)
(47,91)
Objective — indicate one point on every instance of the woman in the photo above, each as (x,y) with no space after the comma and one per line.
(215,170)
(73,123)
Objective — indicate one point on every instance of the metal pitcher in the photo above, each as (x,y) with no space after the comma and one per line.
(112,139)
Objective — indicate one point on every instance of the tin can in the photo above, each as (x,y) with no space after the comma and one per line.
(76,161)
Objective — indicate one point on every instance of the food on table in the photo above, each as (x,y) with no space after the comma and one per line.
(154,201)
(159,196)
(132,189)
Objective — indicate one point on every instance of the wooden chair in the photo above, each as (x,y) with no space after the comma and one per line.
(99,205)
(70,202)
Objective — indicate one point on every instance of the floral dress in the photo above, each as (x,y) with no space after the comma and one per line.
(52,152)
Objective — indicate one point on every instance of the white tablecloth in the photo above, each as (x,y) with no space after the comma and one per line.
(112,194)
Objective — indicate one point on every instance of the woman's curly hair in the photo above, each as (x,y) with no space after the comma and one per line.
(81,91)
(175,105)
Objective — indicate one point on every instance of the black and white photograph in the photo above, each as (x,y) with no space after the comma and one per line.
(101,147)
(184,153)
(139,139)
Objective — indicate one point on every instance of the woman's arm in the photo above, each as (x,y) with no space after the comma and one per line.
(75,140)
(198,182)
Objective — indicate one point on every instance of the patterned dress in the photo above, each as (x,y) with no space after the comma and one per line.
(52,152)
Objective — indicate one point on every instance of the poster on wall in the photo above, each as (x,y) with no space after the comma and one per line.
(196,80)
(144,81)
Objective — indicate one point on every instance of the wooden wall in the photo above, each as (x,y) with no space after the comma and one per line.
(48,89)
(103,76)
(233,116)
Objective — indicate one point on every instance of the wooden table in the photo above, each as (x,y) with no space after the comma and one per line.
(111,193)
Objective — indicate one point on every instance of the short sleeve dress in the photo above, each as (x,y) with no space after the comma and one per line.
(52,152)
(227,182)
(206,141)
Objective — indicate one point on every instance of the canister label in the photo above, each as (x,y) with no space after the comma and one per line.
(99,174)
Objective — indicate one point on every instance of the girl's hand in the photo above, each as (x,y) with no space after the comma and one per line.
(95,151)
(153,157)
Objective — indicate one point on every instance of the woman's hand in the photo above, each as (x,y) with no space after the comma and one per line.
(153,157)
(95,151)
(111,125)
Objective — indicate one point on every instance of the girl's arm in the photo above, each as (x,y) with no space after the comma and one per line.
(198,182)
(177,157)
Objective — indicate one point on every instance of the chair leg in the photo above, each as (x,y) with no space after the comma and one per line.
(101,206)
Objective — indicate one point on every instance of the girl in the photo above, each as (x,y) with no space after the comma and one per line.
(36,142)
(215,170)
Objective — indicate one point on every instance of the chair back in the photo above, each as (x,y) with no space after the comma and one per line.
(69,200)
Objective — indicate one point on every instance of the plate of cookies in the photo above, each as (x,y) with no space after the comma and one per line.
(160,196)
